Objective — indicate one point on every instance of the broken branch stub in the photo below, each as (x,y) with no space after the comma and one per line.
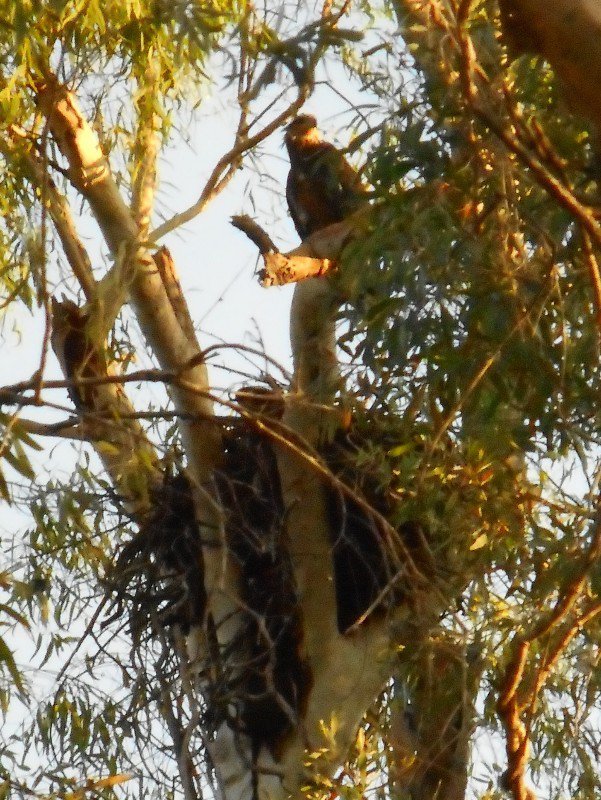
(313,258)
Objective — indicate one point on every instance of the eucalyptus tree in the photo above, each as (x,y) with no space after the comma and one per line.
(369,575)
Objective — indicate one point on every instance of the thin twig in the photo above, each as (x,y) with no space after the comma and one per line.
(224,171)
(595,276)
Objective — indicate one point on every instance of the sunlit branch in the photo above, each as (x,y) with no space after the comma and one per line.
(60,213)
(135,271)
(514,697)
(145,151)
(594,275)
(166,268)
(315,257)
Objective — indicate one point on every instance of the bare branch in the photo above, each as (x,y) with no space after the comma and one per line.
(69,428)
(255,233)
(281,269)
(166,267)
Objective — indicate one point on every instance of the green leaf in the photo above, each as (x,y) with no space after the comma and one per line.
(6,658)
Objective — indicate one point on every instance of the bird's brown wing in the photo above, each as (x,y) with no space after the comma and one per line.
(301,197)
(322,189)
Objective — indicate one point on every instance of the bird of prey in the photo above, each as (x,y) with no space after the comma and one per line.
(322,186)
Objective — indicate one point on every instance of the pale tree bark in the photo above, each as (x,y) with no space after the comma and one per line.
(134,272)
(347,671)
(316,257)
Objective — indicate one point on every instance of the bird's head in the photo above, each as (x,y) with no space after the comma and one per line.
(302,130)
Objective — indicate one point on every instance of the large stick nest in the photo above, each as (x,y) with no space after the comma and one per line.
(159,573)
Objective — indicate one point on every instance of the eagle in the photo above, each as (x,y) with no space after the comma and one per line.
(322,187)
